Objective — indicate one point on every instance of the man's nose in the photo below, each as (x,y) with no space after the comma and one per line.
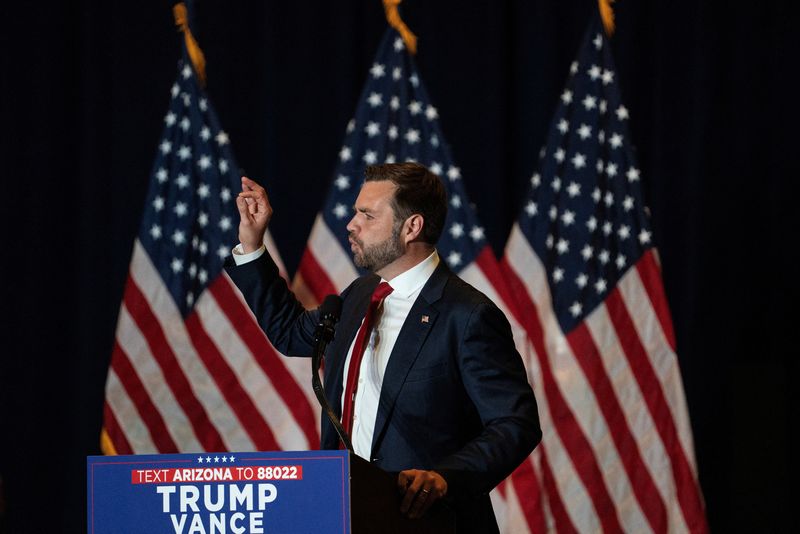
(351,226)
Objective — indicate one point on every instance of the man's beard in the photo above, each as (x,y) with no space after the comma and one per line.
(376,257)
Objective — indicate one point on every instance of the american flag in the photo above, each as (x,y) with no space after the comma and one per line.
(395,121)
(191,370)
(617,452)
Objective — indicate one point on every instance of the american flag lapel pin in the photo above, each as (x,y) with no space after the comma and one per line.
(425,318)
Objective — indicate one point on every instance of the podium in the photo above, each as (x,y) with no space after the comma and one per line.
(253,493)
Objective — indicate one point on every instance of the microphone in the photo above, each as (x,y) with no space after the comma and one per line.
(329,313)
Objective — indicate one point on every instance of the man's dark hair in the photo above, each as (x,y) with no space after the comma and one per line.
(418,191)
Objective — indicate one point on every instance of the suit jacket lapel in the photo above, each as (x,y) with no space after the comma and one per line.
(409,342)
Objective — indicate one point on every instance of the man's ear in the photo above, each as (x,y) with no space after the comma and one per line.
(412,228)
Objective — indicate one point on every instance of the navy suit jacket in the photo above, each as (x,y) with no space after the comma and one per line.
(455,396)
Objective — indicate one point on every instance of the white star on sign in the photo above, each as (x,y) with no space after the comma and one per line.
(161,175)
(392,132)
(204,162)
(453,173)
(344,153)
(587,252)
(414,107)
(225,194)
(185,124)
(180,209)
(169,119)
(556,185)
(531,209)
(158,203)
(223,166)
(186,71)
(165,147)
(455,201)
(621,260)
(594,72)
(582,280)
(222,252)
(155,231)
(579,160)
(203,104)
(372,129)
(616,140)
(375,100)
(611,170)
(607,228)
(457,230)
(203,274)
(225,224)
(553,213)
(632,174)
(397,73)
(575,309)
(585,131)
(398,46)
(202,220)
(222,138)
(622,113)
(644,237)
(589,102)
(436,168)
(394,103)
(563,126)
(184,152)
(562,247)
(536,180)
(340,211)
(205,133)
(624,232)
(176,265)
(568,217)
(591,224)
(370,157)
(608,76)
(558,274)
(566,96)
(603,256)
(175,90)
(559,155)
(182,181)
(598,41)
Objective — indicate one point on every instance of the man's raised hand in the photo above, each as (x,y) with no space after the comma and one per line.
(255,212)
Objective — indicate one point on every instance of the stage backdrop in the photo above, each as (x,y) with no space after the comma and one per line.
(84,91)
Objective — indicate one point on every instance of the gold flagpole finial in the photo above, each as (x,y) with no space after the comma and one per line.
(195,54)
(394,20)
(607,15)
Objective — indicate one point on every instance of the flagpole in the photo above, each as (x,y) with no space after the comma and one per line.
(394,20)
(196,55)
(607,15)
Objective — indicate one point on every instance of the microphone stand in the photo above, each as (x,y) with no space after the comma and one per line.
(322,336)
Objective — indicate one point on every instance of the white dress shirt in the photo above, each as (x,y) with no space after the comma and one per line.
(390,318)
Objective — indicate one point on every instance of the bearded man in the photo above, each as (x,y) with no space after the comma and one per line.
(423,371)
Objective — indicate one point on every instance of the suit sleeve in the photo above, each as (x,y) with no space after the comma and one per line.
(288,325)
(495,380)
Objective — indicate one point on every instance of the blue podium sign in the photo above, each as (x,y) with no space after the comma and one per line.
(220,493)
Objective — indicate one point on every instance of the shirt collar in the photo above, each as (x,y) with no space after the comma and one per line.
(412,280)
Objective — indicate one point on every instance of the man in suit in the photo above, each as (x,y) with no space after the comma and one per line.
(423,370)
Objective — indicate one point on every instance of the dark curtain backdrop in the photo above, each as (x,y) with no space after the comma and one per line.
(85,86)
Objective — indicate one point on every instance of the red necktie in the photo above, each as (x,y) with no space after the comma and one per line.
(381,292)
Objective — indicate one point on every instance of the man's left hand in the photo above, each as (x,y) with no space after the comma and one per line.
(420,489)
